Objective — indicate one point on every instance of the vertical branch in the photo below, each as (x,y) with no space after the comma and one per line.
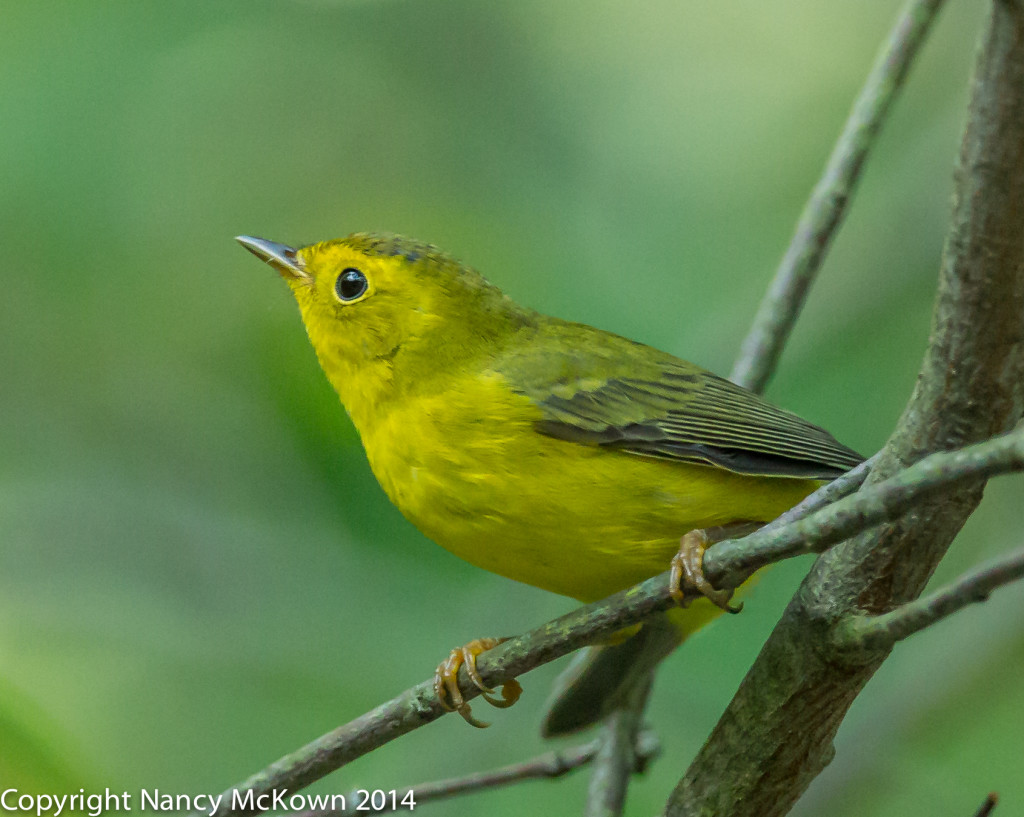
(776,735)
(616,759)
(824,211)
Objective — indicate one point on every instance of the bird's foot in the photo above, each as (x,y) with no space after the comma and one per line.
(446,681)
(688,573)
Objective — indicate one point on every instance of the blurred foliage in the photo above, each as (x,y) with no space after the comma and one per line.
(198,572)
(34,757)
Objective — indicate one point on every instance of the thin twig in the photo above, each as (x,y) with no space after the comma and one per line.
(869,506)
(826,495)
(546,766)
(616,759)
(726,565)
(986,808)
(825,209)
(881,632)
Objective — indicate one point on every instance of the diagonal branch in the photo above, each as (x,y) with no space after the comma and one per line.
(877,503)
(882,632)
(549,766)
(727,564)
(824,211)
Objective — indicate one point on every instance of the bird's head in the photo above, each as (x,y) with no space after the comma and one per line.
(380,302)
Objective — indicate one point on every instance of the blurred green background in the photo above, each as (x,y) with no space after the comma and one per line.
(198,573)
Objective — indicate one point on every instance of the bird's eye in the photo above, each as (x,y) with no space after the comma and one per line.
(351,284)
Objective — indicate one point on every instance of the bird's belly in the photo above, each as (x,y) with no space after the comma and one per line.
(578,520)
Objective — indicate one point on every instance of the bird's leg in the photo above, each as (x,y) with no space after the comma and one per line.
(446,681)
(688,565)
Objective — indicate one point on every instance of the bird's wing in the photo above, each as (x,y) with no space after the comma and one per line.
(600,389)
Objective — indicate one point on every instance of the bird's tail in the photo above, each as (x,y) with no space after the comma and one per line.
(600,679)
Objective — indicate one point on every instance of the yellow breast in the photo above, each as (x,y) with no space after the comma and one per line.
(468,468)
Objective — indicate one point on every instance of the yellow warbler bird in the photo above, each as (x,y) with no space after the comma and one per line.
(550,452)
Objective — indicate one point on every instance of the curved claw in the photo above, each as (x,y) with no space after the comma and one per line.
(446,681)
(688,573)
(511,691)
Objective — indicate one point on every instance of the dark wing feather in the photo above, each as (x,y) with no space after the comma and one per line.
(633,398)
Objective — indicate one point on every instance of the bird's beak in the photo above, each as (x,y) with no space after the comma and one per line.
(281,257)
